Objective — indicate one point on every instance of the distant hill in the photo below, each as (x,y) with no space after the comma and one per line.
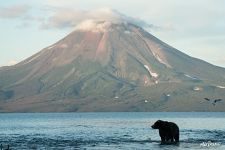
(111,67)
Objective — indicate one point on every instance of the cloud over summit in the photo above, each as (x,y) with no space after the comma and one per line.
(70,18)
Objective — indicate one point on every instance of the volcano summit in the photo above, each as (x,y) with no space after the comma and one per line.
(111,66)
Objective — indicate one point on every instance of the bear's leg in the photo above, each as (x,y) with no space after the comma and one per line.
(163,139)
(167,138)
(162,135)
(176,137)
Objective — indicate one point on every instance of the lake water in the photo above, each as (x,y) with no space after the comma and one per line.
(109,131)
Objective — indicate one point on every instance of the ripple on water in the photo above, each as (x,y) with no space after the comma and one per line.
(108,131)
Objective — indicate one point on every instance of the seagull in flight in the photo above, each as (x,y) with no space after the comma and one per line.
(213,101)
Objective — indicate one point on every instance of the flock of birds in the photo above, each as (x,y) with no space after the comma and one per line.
(213,101)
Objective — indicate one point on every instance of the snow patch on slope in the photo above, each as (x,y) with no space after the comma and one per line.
(194,78)
(197,88)
(127,32)
(161,61)
(116,97)
(153,74)
(221,87)
(168,95)
(11,63)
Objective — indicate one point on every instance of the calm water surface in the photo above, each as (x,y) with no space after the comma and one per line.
(109,131)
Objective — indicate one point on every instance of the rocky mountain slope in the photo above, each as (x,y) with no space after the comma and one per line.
(105,66)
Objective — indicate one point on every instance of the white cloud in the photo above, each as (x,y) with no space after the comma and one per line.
(13,11)
(12,62)
(67,17)
(92,25)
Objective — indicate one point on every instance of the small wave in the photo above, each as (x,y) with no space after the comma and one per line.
(83,126)
(24,142)
(40,141)
(204,135)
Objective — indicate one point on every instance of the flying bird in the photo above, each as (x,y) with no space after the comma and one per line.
(207,99)
(214,101)
(217,100)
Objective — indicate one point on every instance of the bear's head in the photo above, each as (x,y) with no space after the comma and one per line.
(158,124)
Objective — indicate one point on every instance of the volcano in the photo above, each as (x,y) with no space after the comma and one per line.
(106,66)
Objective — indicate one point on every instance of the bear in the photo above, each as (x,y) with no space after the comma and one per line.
(168,131)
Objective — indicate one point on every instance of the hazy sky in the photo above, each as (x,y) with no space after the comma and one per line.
(195,27)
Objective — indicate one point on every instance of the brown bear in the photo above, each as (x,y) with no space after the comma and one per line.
(168,131)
